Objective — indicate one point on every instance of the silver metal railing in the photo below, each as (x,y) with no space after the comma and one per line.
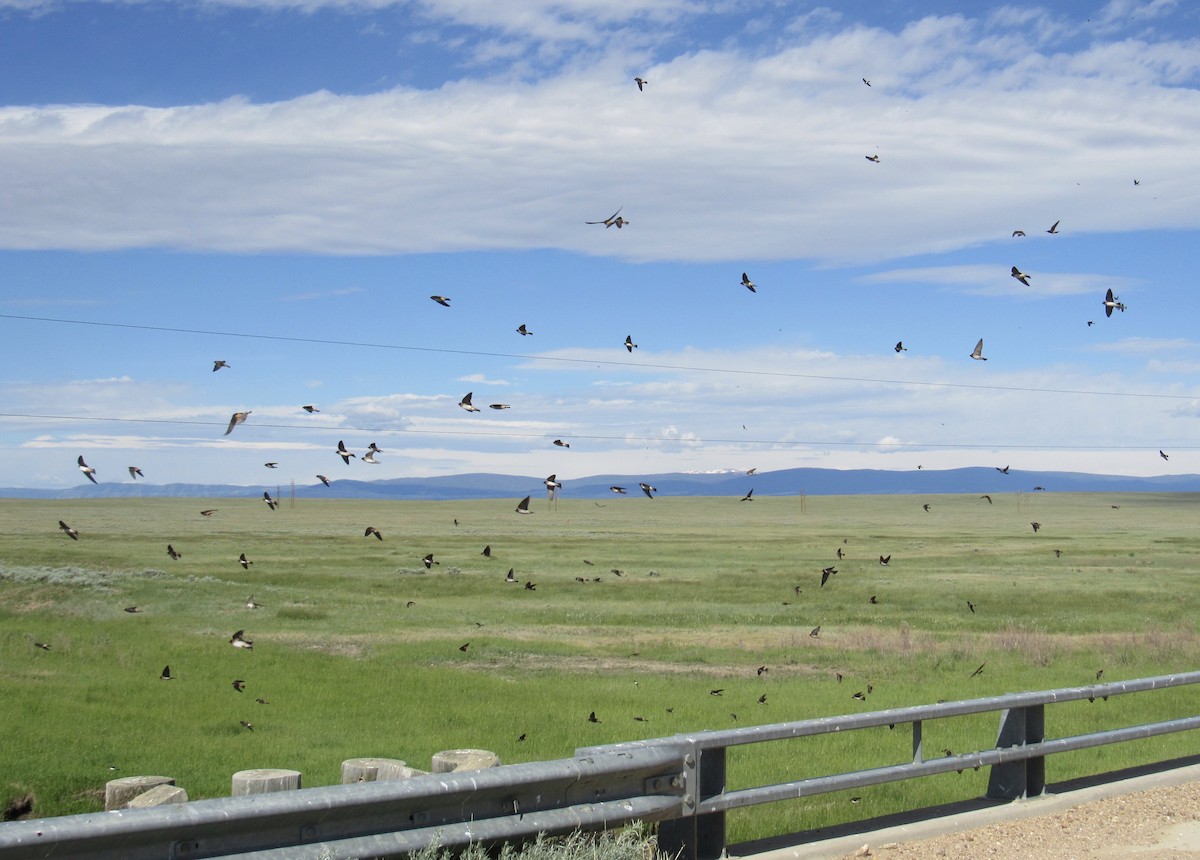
(677,781)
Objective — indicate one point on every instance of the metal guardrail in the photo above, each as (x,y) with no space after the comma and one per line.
(678,781)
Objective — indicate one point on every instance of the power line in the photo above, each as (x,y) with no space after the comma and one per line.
(794,443)
(593,361)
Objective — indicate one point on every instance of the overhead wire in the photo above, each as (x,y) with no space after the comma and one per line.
(633,364)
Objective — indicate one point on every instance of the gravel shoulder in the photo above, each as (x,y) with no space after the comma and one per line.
(1152,817)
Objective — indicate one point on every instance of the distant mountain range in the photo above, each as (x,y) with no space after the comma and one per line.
(786,482)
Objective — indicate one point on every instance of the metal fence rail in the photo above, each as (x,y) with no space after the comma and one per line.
(677,781)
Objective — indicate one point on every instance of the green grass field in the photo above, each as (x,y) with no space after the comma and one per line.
(357,647)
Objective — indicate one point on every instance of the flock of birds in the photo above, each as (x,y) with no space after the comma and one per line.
(239,641)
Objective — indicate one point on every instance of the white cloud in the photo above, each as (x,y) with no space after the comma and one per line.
(972,141)
(481,379)
(1148,346)
(985,280)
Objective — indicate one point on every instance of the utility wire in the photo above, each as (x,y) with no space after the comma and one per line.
(622,364)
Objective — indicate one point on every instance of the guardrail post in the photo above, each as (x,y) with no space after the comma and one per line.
(698,837)
(1017,779)
(1035,768)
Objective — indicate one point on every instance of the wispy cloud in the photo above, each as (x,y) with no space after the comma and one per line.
(315,295)
(985,280)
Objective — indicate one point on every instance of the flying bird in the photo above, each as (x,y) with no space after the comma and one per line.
(271,503)
(977,354)
(208,512)
(825,576)
(978,671)
(524,332)
(499,406)
(441,300)
(135,472)
(986,496)
(323,479)
(1036,526)
(885,560)
(552,483)
(310,409)
(874,158)
(592,717)
(751,472)
(250,604)
(1111,303)
(630,346)
(166,674)
(1053,228)
(647,489)
(45,646)
(747,283)
(487,551)
(466,404)
(239,640)
(173,553)
(86,469)
(523,506)
(618,490)
(749,496)
(463,647)
(133,610)
(371,530)
(641,82)
(511,576)
(344,452)
(70,532)
(246,725)
(218,364)
(971,606)
(531,586)
(1160,453)
(1018,233)
(900,347)
(865,81)
(1020,276)
(369,457)
(272,464)
(613,220)
(561,444)
(429,562)
(244,562)
(239,685)
(1003,471)
(815,632)
(236,419)
(926,507)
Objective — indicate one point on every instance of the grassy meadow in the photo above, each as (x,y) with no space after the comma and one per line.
(358,648)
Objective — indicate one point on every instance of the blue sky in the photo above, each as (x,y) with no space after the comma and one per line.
(283,185)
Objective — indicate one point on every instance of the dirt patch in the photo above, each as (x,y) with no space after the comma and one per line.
(1159,824)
